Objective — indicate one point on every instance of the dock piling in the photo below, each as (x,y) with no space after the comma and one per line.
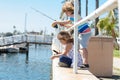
(27,53)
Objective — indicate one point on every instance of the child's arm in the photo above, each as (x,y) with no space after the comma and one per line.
(67,48)
(68,25)
(62,23)
(65,52)
(56,56)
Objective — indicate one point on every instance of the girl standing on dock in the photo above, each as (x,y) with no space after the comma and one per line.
(84,31)
(66,39)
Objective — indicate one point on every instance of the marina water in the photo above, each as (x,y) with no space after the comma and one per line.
(13,66)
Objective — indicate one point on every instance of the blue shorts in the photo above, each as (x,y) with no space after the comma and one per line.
(84,39)
(66,60)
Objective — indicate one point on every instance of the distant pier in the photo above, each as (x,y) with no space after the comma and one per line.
(20,39)
(22,42)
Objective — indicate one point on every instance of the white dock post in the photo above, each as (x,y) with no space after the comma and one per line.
(75,36)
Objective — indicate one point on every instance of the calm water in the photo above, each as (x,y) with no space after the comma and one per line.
(14,67)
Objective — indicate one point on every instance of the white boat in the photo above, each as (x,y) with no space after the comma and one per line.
(12,50)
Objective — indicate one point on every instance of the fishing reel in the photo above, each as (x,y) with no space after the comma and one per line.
(55,26)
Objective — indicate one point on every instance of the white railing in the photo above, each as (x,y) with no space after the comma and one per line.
(25,38)
(75,36)
(109,5)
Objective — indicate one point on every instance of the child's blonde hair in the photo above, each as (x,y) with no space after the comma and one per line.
(64,35)
(68,6)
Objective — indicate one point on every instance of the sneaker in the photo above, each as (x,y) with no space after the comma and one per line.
(61,64)
(84,66)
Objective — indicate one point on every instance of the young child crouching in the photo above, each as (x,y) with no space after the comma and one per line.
(66,56)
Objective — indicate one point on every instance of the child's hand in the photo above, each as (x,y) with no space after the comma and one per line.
(57,22)
(54,23)
(53,57)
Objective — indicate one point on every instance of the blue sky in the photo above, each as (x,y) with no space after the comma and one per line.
(12,12)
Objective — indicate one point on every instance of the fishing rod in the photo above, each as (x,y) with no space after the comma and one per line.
(43,14)
(55,26)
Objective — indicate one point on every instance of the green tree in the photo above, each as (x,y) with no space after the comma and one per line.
(41,32)
(92,25)
(107,26)
(116,17)
(14,31)
(8,34)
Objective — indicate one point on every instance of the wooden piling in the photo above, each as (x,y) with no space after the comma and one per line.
(27,53)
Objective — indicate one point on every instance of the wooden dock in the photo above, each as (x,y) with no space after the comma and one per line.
(61,73)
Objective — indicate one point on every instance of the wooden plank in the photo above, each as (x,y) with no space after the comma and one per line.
(61,73)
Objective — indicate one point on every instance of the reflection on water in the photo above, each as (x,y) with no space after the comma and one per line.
(13,66)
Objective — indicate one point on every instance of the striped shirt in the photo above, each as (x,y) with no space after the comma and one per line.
(84,28)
